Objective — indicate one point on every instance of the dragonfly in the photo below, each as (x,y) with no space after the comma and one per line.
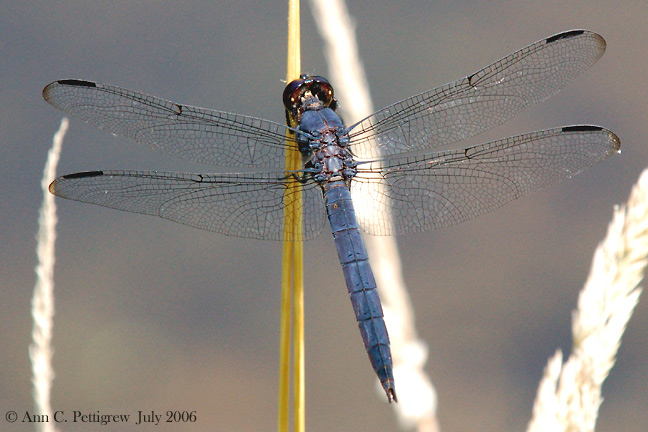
(378,175)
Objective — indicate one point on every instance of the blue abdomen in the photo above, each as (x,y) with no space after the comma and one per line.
(360,281)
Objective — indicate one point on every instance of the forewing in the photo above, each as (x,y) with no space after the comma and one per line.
(480,101)
(445,188)
(249,205)
(196,134)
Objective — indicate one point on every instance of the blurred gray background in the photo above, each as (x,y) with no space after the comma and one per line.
(152,315)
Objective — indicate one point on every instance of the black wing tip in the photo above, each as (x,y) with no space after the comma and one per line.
(67,82)
(83,174)
(75,82)
(582,128)
(614,139)
(564,35)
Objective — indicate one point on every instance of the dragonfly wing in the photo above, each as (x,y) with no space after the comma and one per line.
(249,205)
(485,99)
(196,134)
(445,188)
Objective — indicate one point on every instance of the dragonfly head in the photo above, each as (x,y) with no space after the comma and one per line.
(307,92)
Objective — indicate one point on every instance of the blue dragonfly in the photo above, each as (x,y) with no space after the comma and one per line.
(383,163)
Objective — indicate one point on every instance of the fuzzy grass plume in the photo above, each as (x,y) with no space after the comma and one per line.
(40,351)
(569,394)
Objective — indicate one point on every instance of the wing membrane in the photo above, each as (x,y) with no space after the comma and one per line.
(246,205)
(445,188)
(196,134)
(485,99)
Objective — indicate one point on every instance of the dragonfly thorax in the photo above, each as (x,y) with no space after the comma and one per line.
(324,145)
(332,162)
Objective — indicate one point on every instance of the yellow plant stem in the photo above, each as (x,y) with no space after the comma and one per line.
(292,284)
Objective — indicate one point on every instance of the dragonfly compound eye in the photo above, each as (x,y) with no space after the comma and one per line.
(321,88)
(292,94)
(315,85)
